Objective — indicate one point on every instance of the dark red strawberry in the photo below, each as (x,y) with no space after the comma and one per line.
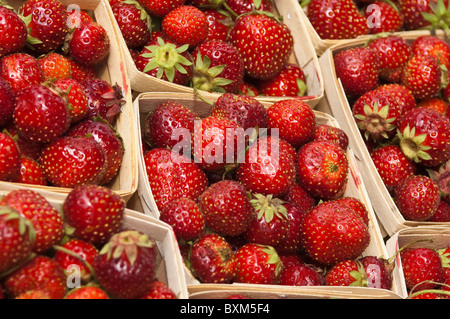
(291,81)
(227,208)
(300,197)
(81,72)
(9,159)
(219,24)
(441,176)
(322,169)
(159,8)
(219,67)
(442,213)
(291,243)
(87,292)
(383,16)
(271,39)
(238,7)
(63,159)
(77,99)
(47,22)
(15,28)
(434,46)
(20,70)
(94,213)
(41,113)
(7,100)
(185,217)
(55,66)
(31,172)
(378,271)
(212,259)
(301,275)
(356,205)
(257,264)
(126,265)
(402,94)
(159,290)
(325,132)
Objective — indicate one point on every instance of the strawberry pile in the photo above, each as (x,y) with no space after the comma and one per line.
(74,253)
(57,115)
(347,19)
(272,210)
(398,91)
(233,46)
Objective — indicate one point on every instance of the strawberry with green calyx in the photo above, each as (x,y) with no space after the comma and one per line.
(444,254)
(347,273)
(77,99)
(402,94)
(9,158)
(429,14)
(291,81)
(16,29)
(291,243)
(378,271)
(125,267)
(159,8)
(167,61)
(434,46)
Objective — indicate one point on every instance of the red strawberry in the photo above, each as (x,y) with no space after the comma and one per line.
(227,208)
(444,254)
(417,197)
(55,66)
(77,99)
(87,292)
(300,197)
(159,290)
(40,273)
(7,100)
(322,169)
(64,159)
(248,89)
(9,159)
(31,172)
(382,17)
(238,7)
(81,72)
(269,166)
(94,213)
(402,94)
(291,81)
(41,113)
(257,264)
(392,165)
(219,24)
(47,21)
(133,21)
(185,217)
(442,213)
(343,235)
(336,19)
(434,46)
(441,176)
(33,294)
(356,205)
(46,220)
(212,259)
(358,70)
(419,13)
(185,25)
(126,265)
(294,119)
(75,16)
(17,236)
(20,70)
(422,268)
(346,273)
(219,67)
(159,8)
(425,137)
(378,271)
(15,28)
(291,242)
(171,175)
(301,275)
(435,103)
(89,44)
(110,141)
(325,132)
(270,39)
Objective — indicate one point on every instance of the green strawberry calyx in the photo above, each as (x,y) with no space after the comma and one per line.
(374,123)
(359,275)
(439,17)
(268,207)
(413,145)
(207,78)
(24,223)
(273,258)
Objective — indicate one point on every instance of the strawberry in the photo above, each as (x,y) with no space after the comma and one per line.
(20,70)
(427,13)
(291,242)
(291,81)
(70,254)
(94,213)
(247,111)
(435,103)
(257,264)
(268,167)
(7,100)
(47,221)
(63,159)
(77,99)
(424,136)
(336,19)
(163,59)
(422,268)
(54,66)
(392,165)
(89,44)
(31,172)
(212,259)
(81,72)
(159,290)
(17,236)
(185,217)
(110,141)
(185,25)
(9,159)
(227,208)
(441,175)
(417,197)
(133,21)
(126,265)
(402,94)
(271,39)
(11,24)
(75,16)
(422,75)
(297,195)
(25,146)
(378,271)
(322,169)
(87,292)
(383,16)
(325,132)
(434,46)
(40,273)
(343,235)
(47,21)
(358,70)
(301,275)
(219,67)
(219,24)
(442,213)
(171,175)
(248,89)
(33,294)
(346,273)
(356,205)
(159,8)
(294,119)
(239,7)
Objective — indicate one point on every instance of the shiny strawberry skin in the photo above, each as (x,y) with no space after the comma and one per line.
(390,19)
(11,24)
(77,99)
(325,132)
(159,290)
(20,70)
(291,81)
(159,8)
(55,66)
(9,159)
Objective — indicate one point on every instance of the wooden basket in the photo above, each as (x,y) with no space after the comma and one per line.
(112,70)
(304,55)
(335,102)
(146,102)
(170,268)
